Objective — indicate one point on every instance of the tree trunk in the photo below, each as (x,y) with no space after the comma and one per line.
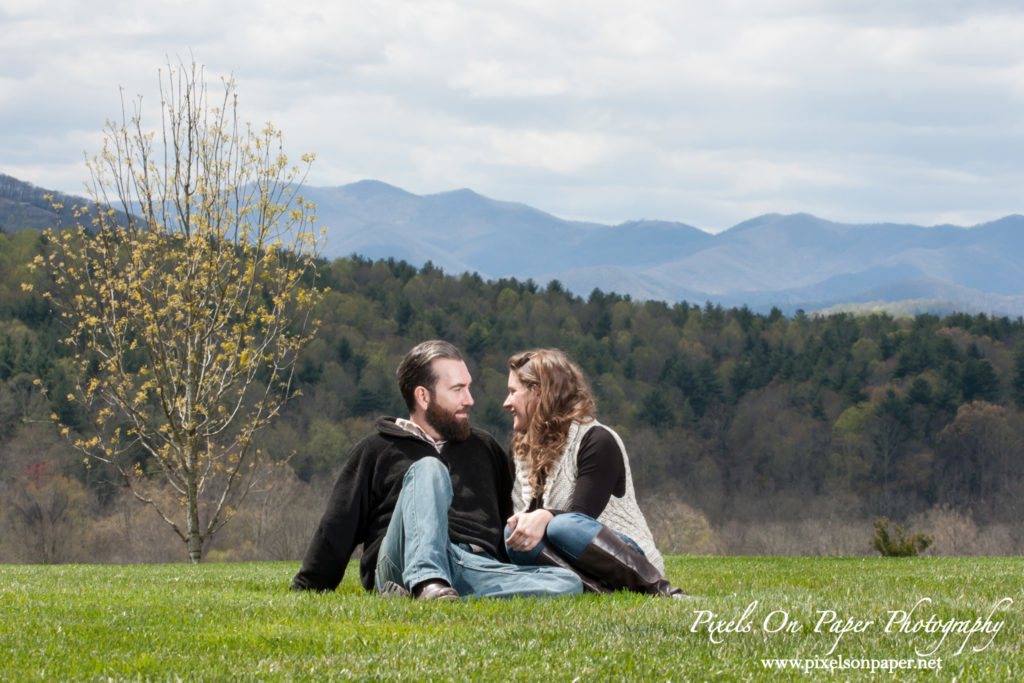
(195,547)
(195,540)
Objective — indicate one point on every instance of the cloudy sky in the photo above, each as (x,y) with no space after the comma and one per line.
(708,113)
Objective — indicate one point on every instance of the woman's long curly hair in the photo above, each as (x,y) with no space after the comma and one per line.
(559,394)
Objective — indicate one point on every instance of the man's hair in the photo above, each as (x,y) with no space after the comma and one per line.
(559,395)
(416,369)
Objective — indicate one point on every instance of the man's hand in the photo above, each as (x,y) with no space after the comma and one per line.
(528,529)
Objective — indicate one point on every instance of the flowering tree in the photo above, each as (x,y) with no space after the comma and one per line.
(187,307)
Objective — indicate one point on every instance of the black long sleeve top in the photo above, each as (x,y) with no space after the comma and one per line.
(600,474)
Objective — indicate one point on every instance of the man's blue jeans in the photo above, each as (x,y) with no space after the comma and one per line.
(568,534)
(416,547)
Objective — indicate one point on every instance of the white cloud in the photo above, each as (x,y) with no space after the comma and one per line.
(692,111)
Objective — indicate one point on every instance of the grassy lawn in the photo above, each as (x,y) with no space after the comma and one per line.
(239,621)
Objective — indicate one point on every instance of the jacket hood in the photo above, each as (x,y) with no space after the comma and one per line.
(388,427)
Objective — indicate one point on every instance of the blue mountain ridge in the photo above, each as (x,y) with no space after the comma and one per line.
(791,261)
(796,261)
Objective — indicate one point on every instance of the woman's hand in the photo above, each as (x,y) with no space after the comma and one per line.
(528,529)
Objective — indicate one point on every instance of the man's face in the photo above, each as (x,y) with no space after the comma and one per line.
(448,410)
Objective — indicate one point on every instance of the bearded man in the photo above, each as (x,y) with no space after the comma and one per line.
(427,498)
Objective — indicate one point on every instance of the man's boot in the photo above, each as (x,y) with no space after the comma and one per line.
(549,557)
(620,566)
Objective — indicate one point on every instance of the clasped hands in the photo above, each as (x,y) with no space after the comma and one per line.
(527,529)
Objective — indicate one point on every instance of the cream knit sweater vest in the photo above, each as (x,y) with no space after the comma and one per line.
(620,514)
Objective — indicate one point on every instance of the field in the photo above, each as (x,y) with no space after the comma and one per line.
(239,622)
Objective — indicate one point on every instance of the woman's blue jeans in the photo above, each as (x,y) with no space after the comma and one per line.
(568,534)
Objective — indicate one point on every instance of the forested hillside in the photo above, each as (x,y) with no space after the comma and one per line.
(747,433)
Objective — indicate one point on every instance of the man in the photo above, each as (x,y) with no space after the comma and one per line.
(427,497)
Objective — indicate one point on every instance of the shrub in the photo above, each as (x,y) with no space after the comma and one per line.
(898,544)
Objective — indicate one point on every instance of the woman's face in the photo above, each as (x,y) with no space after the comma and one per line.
(518,403)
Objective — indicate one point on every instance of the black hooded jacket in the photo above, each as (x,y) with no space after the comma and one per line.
(364,497)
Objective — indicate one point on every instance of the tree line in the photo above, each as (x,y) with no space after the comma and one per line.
(744,429)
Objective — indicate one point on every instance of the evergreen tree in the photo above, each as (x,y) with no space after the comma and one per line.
(1017,377)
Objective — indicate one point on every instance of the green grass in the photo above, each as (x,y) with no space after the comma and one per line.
(239,621)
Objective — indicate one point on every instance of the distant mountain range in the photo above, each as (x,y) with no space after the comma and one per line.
(26,206)
(792,262)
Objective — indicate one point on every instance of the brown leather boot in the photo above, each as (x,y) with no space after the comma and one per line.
(620,566)
(434,589)
(549,557)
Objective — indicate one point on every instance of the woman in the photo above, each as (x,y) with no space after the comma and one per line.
(573,493)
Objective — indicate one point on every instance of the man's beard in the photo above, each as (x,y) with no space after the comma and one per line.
(447,425)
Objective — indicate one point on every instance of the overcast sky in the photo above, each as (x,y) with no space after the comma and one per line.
(708,113)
